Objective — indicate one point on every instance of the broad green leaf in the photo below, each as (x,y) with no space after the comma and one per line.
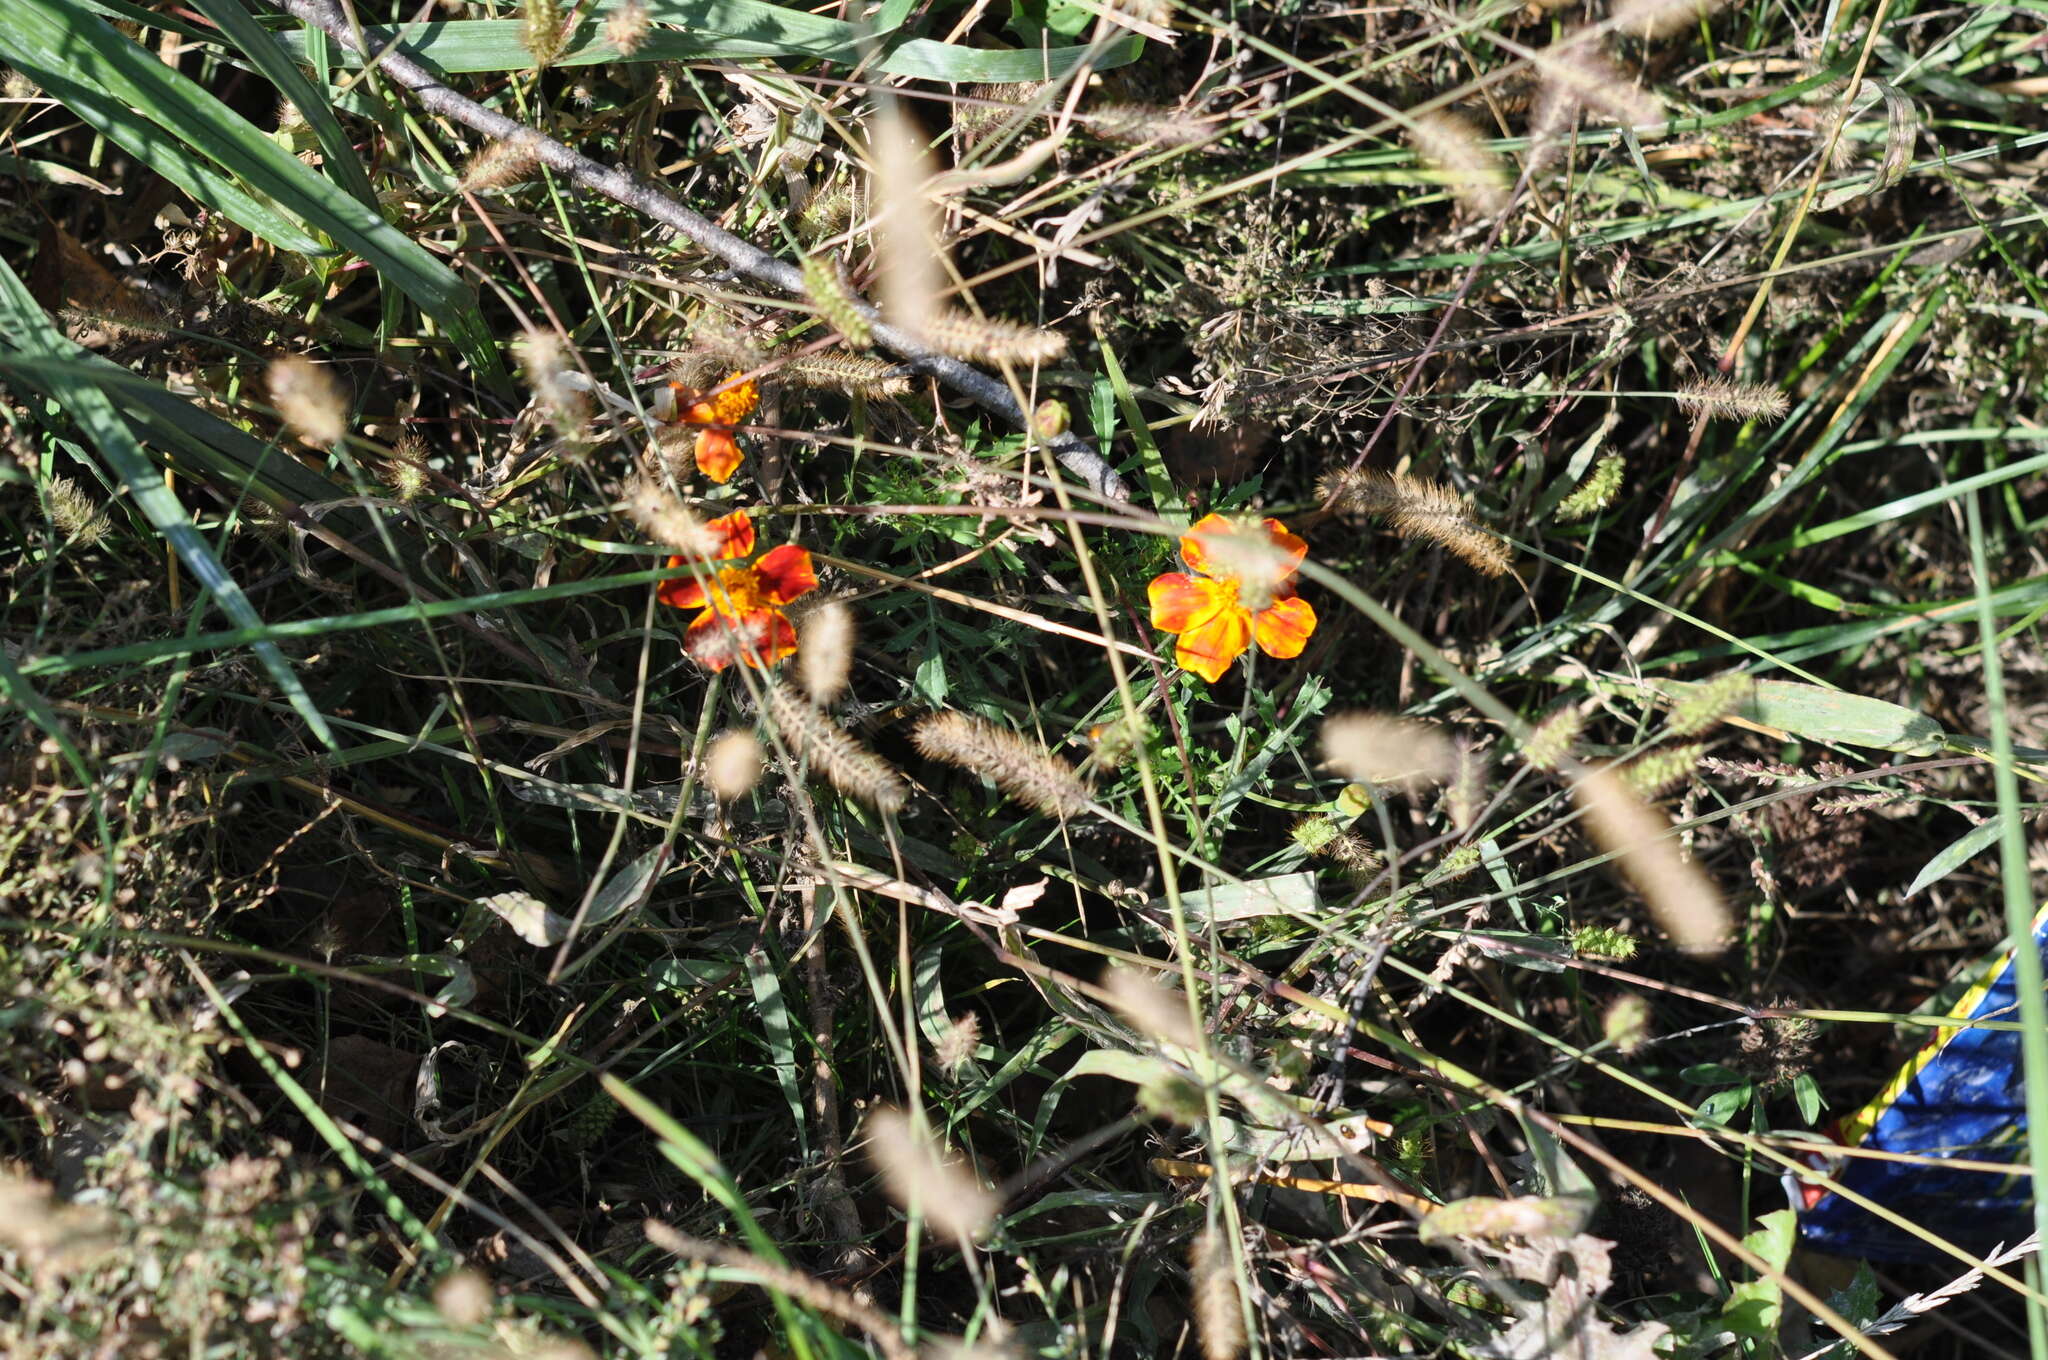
(55,44)
(776,1032)
(1817,713)
(531,919)
(1228,903)
(25,326)
(1964,848)
(626,889)
(739,28)
(1754,1307)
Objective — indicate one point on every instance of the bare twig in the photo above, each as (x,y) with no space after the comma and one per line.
(744,258)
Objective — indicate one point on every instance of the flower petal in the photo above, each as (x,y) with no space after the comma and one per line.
(734,534)
(712,641)
(1181,602)
(1209,648)
(718,454)
(1194,548)
(1290,545)
(785,573)
(772,638)
(685,592)
(1283,629)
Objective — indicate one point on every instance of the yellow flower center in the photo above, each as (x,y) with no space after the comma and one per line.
(736,593)
(735,404)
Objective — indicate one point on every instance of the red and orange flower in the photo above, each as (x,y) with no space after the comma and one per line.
(717,451)
(1238,589)
(741,616)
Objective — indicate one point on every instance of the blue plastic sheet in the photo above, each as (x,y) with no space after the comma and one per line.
(1961,1097)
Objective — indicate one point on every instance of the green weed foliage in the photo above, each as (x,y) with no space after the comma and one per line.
(481,875)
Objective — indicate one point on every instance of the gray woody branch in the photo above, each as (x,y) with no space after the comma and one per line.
(745,259)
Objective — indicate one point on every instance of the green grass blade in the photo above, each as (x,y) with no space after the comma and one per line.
(739,28)
(313,103)
(161,151)
(2017,881)
(51,43)
(96,415)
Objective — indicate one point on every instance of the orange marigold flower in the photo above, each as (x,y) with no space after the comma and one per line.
(1238,589)
(741,616)
(718,453)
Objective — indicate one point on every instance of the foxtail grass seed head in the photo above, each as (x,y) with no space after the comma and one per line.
(1451,149)
(822,744)
(1577,74)
(1491,1219)
(500,165)
(830,295)
(664,520)
(626,27)
(1375,748)
(1725,399)
(829,211)
(732,765)
(541,32)
(1679,894)
(1554,739)
(1219,1307)
(927,1179)
(1159,1013)
(1699,707)
(1595,493)
(857,375)
(74,514)
(955,1048)
(1314,834)
(1603,942)
(1144,125)
(310,398)
(463,1298)
(1019,767)
(824,654)
(990,341)
(1654,19)
(1654,772)
(1626,1023)
(910,277)
(545,364)
(1419,509)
